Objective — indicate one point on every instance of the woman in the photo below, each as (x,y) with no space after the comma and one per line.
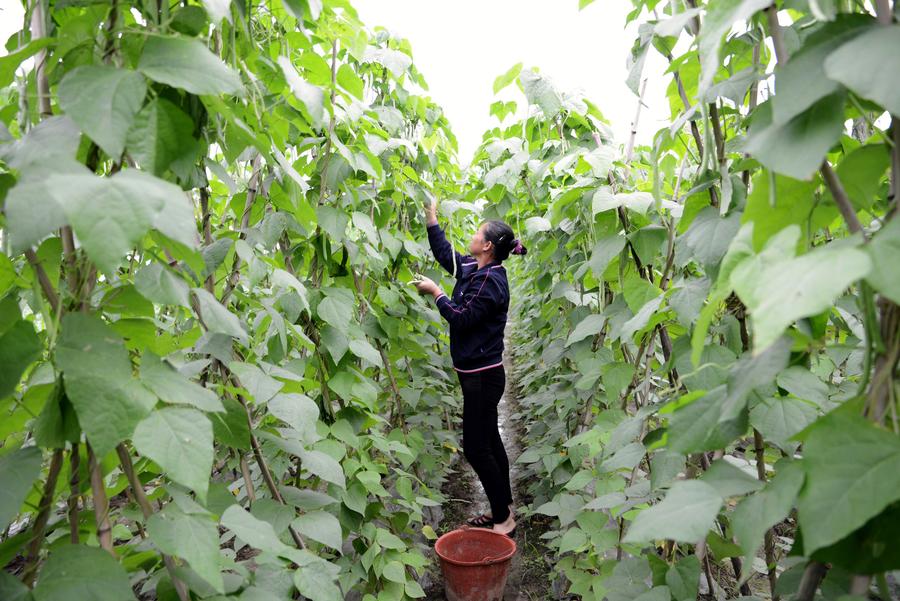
(476,313)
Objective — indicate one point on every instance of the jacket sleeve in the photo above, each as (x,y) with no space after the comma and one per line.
(475,306)
(442,250)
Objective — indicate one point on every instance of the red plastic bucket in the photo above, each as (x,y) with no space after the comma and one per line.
(475,563)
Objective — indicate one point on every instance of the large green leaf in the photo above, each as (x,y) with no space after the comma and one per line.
(802,82)
(312,97)
(796,148)
(186,63)
(180,440)
(96,370)
(884,251)
(774,203)
(192,537)
(317,583)
(780,418)
(253,531)
(779,292)
(19,348)
(158,284)
(103,101)
(171,386)
(870,66)
(685,515)
(320,526)
(507,78)
(540,91)
(762,510)
(18,471)
(298,411)
(162,134)
(109,214)
(589,326)
(82,572)
(720,16)
(217,318)
(851,470)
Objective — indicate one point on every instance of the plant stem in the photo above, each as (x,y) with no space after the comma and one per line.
(813,574)
(40,521)
(74,491)
(101,504)
(147,510)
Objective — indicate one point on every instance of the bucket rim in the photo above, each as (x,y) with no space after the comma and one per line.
(504,557)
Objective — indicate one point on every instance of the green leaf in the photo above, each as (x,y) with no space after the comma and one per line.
(796,148)
(884,252)
(335,311)
(296,410)
(770,208)
(109,214)
(12,589)
(253,531)
(82,572)
(695,427)
(217,318)
(683,578)
(187,64)
(364,350)
(18,471)
(605,250)
(317,584)
(162,134)
(350,81)
(260,385)
(159,285)
(803,384)
(507,78)
(539,90)
(861,173)
(103,101)
(710,235)
(685,515)
(312,97)
(779,292)
(762,510)
(11,62)
(751,372)
(324,466)
(192,537)
(780,418)
(851,470)
(20,346)
(589,326)
(180,440)
(870,65)
(320,526)
(96,370)
(720,16)
(574,539)
(801,82)
(730,480)
(169,385)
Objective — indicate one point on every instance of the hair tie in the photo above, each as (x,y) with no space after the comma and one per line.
(518,248)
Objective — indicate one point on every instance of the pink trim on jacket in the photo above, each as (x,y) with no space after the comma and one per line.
(472,371)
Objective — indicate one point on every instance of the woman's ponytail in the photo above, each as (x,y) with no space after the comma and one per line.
(518,248)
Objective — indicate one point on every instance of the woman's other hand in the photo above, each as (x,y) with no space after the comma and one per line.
(426,286)
(431,212)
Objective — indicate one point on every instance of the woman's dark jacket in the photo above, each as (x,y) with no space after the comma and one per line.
(476,311)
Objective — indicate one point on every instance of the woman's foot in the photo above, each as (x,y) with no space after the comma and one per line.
(486,520)
(507,527)
(481,521)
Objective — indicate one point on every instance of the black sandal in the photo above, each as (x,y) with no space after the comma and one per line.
(481,521)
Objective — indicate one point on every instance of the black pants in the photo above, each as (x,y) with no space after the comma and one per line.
(482,444)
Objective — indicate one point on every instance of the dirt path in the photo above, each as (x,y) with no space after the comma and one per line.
(528,575)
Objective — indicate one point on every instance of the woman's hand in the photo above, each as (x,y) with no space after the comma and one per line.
(431,212)
(426,286)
